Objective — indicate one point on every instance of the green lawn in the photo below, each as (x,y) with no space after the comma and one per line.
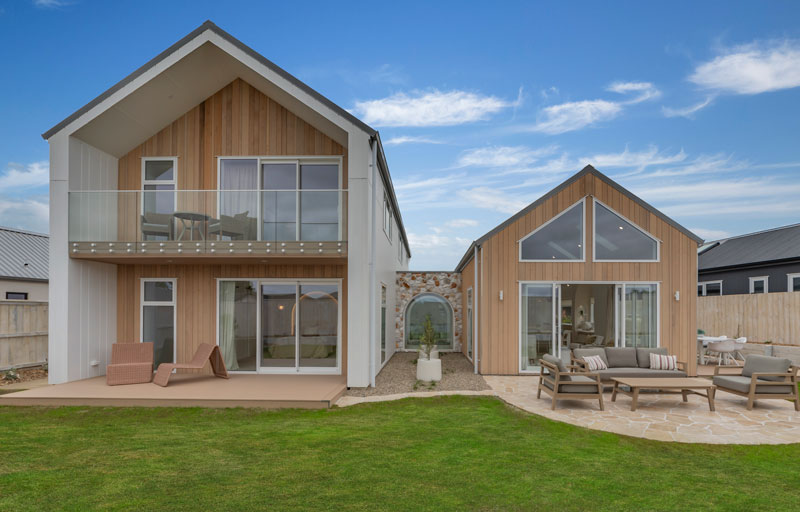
(446,453)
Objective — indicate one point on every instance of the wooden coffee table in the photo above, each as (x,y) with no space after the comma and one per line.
(684,386)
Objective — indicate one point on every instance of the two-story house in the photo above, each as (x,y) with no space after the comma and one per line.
(212,197)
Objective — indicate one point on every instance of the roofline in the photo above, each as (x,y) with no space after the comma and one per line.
(209,25)
(19,278)
(383,167)
(24,232)
(751,264)
(788,226)
(575,177)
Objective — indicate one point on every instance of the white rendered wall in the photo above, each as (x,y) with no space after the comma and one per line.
(36,290)
(82,294)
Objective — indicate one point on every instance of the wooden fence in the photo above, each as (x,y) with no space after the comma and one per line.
(23,333)
(761,317)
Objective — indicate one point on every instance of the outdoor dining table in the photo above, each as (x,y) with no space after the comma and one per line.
(190,221)
(703,341)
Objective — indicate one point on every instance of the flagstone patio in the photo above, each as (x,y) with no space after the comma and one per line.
(663,417)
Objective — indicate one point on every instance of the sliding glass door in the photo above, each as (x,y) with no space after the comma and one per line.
(280,326)
(538,307)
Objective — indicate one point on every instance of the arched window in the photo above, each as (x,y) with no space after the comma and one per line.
(441,314)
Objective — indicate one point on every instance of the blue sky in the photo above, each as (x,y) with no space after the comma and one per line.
(483,107)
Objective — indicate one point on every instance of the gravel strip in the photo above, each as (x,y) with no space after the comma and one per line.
(25,375)
(400,376)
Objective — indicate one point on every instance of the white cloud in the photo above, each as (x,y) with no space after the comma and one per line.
(575,115)
(687,111)
(710,234)
(752,69)
(428,182)
(432,108)
(461,223)
(634,159)
(502,156)
(644,90)
(50,4)
(18,176)
(30,213)
(489,198)
(407,139)
(436,242)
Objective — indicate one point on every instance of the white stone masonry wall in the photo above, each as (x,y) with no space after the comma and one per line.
(411,284)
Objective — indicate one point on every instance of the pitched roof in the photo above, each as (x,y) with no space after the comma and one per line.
(583,172)
(778,244)
(23,255)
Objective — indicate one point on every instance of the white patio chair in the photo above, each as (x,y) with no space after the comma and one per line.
(738,346)
(724,350)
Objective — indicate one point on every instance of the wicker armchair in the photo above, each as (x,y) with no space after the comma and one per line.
(131,363)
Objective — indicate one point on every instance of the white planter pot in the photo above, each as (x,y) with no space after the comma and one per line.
(434,354)
(429,370)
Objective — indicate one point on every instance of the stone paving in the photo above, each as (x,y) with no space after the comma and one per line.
(663,417)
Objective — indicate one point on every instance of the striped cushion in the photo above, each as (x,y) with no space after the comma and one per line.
(662,362)
(595,363)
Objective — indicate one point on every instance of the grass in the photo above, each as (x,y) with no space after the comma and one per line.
(443,453)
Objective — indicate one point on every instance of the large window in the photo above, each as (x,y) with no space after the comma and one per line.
(616,239)
(759,284)
(279,199)
(159,179)
(559,239)
(158,318)
(387,218)
(641,315)
(438,310)
(280,326)
(709,288)
(537,328)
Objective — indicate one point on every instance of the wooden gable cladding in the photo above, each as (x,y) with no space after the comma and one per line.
(238,120)
(196,298)
(501,270)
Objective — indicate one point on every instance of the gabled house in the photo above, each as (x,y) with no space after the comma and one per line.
(212,197)
(23,265)
(763,262)
(587,264)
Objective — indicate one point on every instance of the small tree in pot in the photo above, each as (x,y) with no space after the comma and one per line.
(428,338)
(428,370)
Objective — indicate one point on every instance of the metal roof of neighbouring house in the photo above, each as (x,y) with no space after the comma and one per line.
(773,245)
(575,177)
(23,255)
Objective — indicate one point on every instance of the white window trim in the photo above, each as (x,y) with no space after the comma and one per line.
(173,181)
(297,369)
(470,297)
(173,303)
(789,278)
(388,218)
(539,228)
(281,159)
(556,310)
(759,278)
(704,283)
(384,297)
(595,201)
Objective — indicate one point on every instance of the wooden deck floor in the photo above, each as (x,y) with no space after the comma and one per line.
(192,390)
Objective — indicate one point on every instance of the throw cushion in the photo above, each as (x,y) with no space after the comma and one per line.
(765,364)
(621,357)
(662,362)
(643,355)
(580,353)
(594,363)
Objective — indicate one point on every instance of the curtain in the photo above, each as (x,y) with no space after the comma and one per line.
(610,305)
(239,192)
(227,333)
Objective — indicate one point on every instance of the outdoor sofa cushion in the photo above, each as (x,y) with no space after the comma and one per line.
(663,362)
(594,363)
(765,364)
(590,387)
(637,373)
(580,353)
(621,357)
(643,355)
(556,361)
(742,384)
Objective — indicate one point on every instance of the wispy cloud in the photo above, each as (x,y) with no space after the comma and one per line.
(489,198)
(752,68)
(431,108)
(503,156)
(687,111)
(461,223)
(644,90)
(50,4)
(19,176)
(408,139)
(710,234)
(30,213)
(638,160)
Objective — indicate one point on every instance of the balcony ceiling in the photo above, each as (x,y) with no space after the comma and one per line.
(179,88)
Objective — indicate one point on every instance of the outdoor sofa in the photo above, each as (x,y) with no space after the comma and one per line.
(762,377)
(626,362)
(560,384)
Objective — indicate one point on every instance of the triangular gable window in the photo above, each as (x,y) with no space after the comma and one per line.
(560,239)
(616,239)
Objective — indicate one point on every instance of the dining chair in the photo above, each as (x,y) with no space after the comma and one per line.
(724,350)
(738,346)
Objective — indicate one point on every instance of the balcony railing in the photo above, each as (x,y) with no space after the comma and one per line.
(277,222)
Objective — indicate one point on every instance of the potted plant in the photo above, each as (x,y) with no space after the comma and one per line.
(428,368)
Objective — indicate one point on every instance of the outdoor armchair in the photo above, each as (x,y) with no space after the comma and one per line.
(131,363)
(560,384)
(761,378)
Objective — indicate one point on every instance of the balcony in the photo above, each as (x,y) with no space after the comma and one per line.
(190,223)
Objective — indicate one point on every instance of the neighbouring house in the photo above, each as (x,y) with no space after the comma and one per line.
(763,262)
(210,196)
(587,264)
(23,265)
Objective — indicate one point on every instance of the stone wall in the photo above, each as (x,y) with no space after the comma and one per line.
(411,284)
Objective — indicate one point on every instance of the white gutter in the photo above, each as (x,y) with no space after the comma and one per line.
(475,302)
(372,250)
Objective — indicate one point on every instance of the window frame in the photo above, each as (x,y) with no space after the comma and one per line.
(384,335)
(406,315)
(470,312)
(388,218)
(658,242)
(703,285)
(24,294)
(173,181)
(789,278)
(759,278)
(173,303)
(539,228)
